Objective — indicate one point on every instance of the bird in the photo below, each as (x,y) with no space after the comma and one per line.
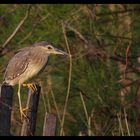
(26,64)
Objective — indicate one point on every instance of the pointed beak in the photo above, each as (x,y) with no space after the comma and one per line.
(57,51)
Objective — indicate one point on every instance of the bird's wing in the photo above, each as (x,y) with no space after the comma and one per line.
(17,65)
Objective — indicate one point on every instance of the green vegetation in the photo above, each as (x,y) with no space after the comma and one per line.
(101,102)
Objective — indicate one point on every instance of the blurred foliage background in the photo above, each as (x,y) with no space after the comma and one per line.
(104,43)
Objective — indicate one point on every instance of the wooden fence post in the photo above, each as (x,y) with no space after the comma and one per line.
(6,97)
(28,127)
(49,124)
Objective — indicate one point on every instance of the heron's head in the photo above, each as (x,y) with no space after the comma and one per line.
(49,49)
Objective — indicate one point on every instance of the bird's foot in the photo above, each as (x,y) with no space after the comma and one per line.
(30,86)
(23,113)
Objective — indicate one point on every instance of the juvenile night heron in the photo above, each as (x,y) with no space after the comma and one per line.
(26,64)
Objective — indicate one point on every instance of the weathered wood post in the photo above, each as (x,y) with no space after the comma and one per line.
(28,127)
(49,125)
(6,97)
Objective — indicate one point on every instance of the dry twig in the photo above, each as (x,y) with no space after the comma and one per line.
(126,59)
(17,28)
(69,82)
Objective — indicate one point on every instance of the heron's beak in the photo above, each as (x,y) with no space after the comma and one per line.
(57,51)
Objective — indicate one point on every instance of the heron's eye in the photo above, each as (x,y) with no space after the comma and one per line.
(49,47)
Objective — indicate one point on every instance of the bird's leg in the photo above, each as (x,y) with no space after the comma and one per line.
(30,86)
(20,106)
